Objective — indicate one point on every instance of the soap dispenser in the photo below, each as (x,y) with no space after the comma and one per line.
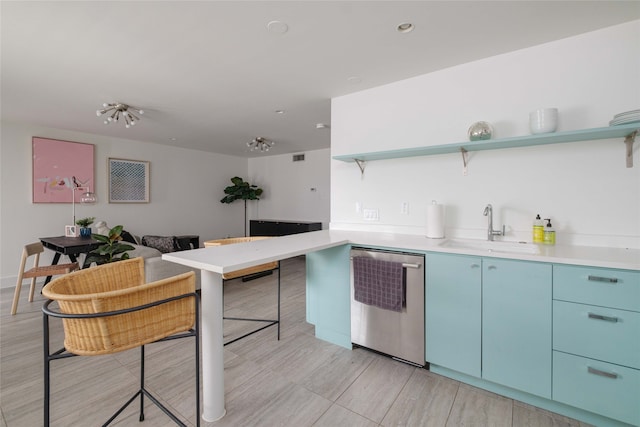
(538,230)
(549,237)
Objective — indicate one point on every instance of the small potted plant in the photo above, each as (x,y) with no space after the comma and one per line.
(84,223)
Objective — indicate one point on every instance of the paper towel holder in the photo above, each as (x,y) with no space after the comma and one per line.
(435,230)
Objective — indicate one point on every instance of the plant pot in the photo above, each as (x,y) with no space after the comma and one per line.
(85,232)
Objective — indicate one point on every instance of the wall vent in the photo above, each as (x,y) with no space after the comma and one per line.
(298,157)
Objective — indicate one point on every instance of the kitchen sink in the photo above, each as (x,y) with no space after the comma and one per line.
(492,246)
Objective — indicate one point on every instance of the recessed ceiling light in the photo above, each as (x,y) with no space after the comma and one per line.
(173,138)
(354,80)
(405,27)
(277,27)
(322,126)
(279,111)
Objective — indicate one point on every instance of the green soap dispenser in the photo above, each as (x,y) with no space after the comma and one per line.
(549,237)
(538,230)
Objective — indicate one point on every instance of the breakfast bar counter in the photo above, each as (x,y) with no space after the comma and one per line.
(215,261)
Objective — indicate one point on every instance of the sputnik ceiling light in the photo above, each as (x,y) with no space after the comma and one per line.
(260,143)
(117,109)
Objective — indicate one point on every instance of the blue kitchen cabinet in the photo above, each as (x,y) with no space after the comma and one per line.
(328,294)
(516,324)
(453,305)
(596,340)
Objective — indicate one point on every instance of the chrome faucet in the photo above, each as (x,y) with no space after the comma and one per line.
(491,233)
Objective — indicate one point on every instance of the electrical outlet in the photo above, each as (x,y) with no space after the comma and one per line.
(371,215)
(404,208)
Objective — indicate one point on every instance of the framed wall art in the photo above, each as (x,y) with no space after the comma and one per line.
(128,181)
(58,167)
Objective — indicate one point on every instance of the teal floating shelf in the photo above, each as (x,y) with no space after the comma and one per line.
(627,131)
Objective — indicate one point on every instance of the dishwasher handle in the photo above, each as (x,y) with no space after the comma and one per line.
(405,264)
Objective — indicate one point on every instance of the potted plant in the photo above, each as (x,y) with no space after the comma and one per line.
(241,190)
(111,250)
(84,223)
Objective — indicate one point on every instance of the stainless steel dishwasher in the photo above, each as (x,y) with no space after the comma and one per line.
(399,334)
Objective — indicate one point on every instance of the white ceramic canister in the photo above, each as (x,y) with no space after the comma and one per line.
(544,120)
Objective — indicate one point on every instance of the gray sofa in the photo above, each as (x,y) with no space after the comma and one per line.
(155,268)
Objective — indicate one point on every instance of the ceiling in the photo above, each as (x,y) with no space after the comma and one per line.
(210,75)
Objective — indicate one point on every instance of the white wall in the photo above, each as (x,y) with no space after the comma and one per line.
(288,187)
(186,186)
(583,186)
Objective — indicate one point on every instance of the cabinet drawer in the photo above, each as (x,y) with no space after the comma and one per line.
(597,286)
(599,387)
(597,332)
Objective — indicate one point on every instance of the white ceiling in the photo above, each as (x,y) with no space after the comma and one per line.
(211,75)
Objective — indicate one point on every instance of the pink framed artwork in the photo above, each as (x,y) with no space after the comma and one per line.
(59,166)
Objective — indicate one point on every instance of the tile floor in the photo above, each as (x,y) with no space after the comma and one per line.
(297,381)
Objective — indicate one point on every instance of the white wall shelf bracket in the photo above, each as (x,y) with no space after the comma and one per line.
(465,160)
(361,165)
(628,141)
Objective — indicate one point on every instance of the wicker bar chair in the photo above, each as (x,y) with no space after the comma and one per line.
(248,274)
(108,309)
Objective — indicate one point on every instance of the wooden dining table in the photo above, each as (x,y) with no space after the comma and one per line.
(72,247)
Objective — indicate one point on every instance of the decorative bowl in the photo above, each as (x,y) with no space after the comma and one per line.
(480,131)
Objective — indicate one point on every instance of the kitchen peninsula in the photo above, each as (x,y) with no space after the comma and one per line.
(328,299)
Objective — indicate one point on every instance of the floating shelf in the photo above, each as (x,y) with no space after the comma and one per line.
(626,131)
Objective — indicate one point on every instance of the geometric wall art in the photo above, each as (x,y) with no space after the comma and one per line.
(58,167)
(128,181)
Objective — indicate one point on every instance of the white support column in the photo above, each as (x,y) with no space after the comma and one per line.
(212,347)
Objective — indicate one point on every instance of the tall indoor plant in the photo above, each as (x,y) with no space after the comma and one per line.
(241,190)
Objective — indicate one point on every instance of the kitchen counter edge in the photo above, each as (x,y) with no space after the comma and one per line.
(227,258)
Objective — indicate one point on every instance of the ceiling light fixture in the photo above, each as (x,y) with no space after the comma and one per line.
(118,109)
(322,126)
(277,27)
(260,143)
(405,27)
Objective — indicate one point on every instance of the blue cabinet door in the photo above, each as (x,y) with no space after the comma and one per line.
(328,294)
(453,312)
(516,325)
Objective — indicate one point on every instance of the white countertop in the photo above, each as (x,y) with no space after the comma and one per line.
(227,258)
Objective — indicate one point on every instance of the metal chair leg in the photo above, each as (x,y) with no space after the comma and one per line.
(47,368)
(141,383)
